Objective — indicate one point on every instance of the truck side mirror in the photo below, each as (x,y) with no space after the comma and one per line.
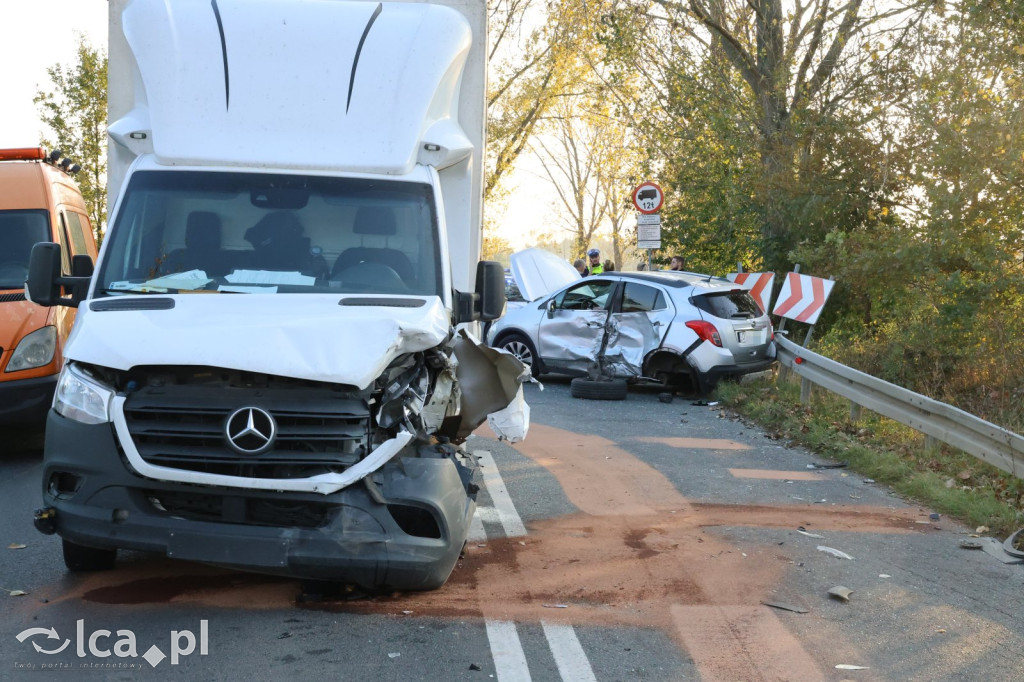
(81,265)
(490,289)
(42,287)
(44,283)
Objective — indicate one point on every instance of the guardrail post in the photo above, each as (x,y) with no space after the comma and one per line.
(805,391)
(783,370)
(854,412)
(930,442)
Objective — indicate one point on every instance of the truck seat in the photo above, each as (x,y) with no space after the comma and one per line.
(202,247)
(378,221)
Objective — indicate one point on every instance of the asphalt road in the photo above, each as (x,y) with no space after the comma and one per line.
(621,541)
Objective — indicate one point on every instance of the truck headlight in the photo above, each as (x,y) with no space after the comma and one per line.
(81,398)
(35,350)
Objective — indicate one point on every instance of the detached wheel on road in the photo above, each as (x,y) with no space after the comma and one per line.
(521,347)
(79,558)
(598,389)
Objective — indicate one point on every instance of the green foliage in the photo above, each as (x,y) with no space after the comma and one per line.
(75,110)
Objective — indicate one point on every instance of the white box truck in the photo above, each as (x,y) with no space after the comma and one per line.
(265,372)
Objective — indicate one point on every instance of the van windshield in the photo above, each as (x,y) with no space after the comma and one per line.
(19,231)
(182,231)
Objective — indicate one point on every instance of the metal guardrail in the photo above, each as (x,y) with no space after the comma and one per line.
(985,440)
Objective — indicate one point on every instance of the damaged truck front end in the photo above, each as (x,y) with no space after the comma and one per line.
(269,368)
(285,476)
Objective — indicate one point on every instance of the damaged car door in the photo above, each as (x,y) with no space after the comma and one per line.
(639,323)
(570,333)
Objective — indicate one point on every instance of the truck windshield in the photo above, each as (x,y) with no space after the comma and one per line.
(19,230)
(181,231)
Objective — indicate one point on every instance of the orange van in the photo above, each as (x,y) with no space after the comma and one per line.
(39,202)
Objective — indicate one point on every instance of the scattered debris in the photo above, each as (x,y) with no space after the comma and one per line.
(803,531)
(785,607)
(840,592)
(940,630)
(884,575)
(712,404)
(1013,547)
(284,635)
(664,397)
(834,552)
(981,529)
(394,654)
(555,606)
(407,613)
(934,517)
(827,465)
(16,545)
(16,593)
(971,543)
(700,403)
(869,480)
(994,548)
(474,666)
(847,666)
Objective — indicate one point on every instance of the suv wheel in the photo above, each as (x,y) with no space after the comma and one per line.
(521,347)
(598,389)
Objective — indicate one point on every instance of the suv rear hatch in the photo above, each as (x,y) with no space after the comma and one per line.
(743,328)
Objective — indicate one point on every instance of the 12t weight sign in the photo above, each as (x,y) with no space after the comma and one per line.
(648,198)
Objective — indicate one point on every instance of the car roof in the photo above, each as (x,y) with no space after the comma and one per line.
(675,279)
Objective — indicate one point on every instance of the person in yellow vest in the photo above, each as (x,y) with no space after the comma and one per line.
(596,268)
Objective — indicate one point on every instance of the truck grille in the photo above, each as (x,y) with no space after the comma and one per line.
(319,430)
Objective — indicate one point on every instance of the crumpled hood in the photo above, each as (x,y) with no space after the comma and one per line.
(305,336)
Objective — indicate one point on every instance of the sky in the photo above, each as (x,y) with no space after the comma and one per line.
(38,34)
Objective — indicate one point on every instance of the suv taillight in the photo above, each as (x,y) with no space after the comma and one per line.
(706,331)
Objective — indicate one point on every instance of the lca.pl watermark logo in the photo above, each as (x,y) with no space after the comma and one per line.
(100,644)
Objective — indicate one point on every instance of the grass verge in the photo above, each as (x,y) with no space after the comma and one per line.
(944,479)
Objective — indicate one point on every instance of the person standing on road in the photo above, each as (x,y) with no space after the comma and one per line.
(596,268)
(581,267)
(677,263)
(609,265)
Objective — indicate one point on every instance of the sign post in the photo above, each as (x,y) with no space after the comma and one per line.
(648,199)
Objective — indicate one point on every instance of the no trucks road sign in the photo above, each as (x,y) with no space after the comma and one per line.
(648,198)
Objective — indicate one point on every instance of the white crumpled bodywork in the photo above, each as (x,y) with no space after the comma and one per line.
(631,337)
(304,336)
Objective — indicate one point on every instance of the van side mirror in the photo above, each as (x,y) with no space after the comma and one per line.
(44,283)
(490,289)
(488,301)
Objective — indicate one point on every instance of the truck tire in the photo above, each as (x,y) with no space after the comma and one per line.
(520,346)
(79,558)
(606,389)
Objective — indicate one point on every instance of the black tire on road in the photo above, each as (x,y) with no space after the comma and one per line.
(79,558)
(600,389)
(521,347)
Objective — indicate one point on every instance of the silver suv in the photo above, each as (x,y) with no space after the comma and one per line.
(673,327)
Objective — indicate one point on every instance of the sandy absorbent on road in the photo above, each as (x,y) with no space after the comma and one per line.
(636,554)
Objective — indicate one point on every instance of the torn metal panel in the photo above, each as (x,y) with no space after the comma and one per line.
(631,336)
(513,422)
(490,379)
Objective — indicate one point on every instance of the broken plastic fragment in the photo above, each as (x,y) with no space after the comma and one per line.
(840,592)
(834,552)
(803,531)
(970,544)
(555,606)
(16,545)
(884,575)
(394,654)
(847,666)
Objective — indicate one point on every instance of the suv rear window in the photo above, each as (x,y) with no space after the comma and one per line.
(728,305)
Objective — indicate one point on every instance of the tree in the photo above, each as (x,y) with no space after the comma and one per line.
(75,110)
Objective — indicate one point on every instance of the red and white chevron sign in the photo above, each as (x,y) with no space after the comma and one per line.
(759,284)
(802,297)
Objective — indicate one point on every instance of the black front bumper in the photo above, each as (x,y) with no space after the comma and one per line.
(24,402)
(351,536)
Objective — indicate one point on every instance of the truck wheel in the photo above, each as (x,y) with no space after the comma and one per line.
(590,389)
(79,558)
(521,347)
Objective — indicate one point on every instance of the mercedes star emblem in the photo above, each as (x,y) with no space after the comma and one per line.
(250,430)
